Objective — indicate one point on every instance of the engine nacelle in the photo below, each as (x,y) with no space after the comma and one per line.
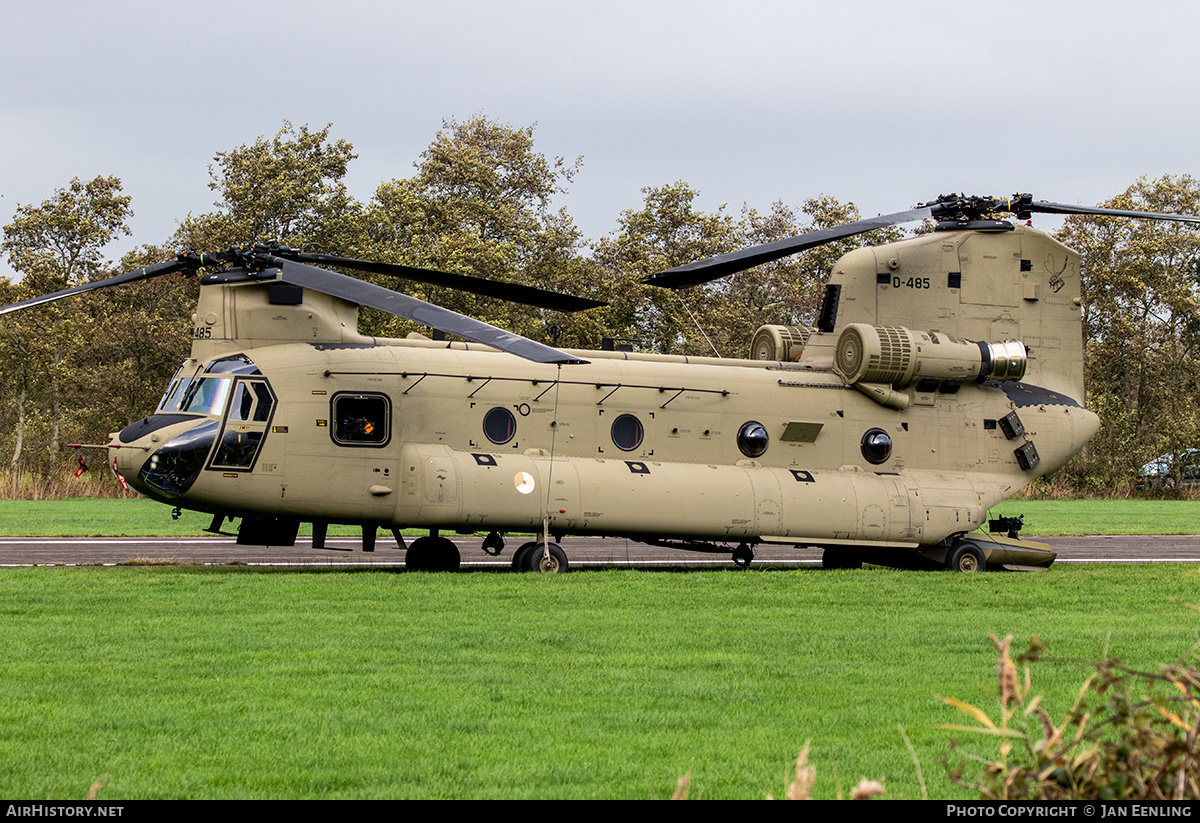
(784,343)
(900,357)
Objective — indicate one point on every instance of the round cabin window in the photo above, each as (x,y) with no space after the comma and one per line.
(876,446)
(753,439)
(627,432)
(499,425)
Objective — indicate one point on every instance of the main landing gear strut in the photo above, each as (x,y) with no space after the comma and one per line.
(743,554)
(432,554)
(540,557)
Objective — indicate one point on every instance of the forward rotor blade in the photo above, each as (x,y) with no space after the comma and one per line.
(515,292)
(702,271)
(166,267)
(410,308)
(1046,207)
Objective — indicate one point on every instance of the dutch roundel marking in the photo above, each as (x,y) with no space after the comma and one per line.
(637,468)
(484,459)
(524,482)
(802,476)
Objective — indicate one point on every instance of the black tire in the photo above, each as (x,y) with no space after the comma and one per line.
(432,554)
(743,555)
(966,557)
(416,557)
(840,559)
(555,563)
(448,558)
(521,556)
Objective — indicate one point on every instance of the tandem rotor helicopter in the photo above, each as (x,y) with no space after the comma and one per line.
(944,374)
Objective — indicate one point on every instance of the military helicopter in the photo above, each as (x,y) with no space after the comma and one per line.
(944,374)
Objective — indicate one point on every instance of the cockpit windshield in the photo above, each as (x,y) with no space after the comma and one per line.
(206,395)
(233,364)
(206,390)
(178,387)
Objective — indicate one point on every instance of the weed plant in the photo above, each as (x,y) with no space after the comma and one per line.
(1130,735)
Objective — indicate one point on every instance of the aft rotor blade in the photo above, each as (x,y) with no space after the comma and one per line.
(1046,207)
(514,292)
(166,267)
(702,271)
(410,308)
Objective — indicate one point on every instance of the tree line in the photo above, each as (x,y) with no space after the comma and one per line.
(482,202)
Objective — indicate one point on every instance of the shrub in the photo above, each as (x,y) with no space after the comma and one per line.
(1130,735)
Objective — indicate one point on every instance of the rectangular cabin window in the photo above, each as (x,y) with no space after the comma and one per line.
(361,419)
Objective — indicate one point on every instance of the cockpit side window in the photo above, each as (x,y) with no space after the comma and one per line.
(243,403)
(262,411)
(252,400)
(245,427)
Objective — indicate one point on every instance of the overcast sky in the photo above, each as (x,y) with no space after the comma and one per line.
(879,103)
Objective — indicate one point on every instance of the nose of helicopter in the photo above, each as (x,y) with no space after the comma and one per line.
(162,455)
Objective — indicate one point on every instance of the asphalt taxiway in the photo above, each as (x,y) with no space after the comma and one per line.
(581,552)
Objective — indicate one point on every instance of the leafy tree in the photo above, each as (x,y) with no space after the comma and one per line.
(721,316)
(667,231)
(289,188)
(140,333)
(60,243)
(1141,290)
(56,245)
(480,204)
(16,372)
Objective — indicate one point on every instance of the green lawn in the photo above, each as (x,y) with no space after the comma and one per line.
(85,517)
(1056,518)
(184,682)
(133,518)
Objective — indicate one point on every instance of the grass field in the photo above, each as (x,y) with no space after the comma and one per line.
(1056,518)
(133,518)
(185,682)
(79,517)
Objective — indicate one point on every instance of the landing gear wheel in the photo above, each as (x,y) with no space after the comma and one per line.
(432,554)
(520,557)
(742,555)
(840,559)
(966,557)
(493,544)
(554,563)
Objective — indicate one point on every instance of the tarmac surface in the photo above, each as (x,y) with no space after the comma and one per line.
(582,552)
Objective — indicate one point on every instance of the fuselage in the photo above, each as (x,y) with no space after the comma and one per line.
(413,433)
